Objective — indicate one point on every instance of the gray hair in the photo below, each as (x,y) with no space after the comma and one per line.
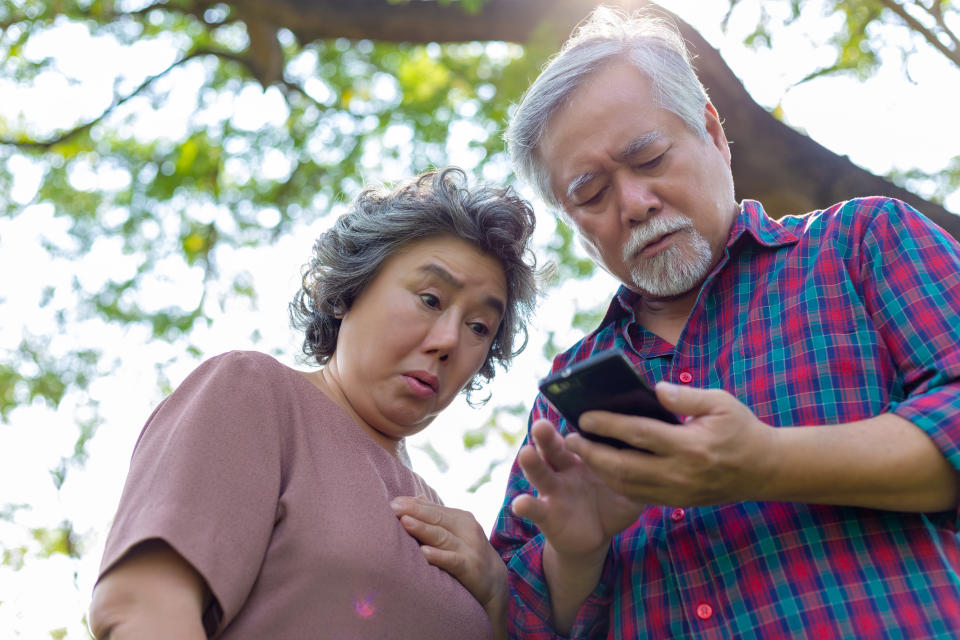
(380,222)
(652,43)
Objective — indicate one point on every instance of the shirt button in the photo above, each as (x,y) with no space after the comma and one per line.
(686,377)
(677,515)
(704,611)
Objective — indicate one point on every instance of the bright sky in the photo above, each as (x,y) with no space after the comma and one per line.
(884,123)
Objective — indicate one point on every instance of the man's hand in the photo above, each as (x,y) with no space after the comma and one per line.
(453,540)
(577,514)
(721,453)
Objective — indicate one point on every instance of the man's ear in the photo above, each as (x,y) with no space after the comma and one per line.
(715,131)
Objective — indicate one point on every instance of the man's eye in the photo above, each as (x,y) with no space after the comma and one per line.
(430,300)
(651,164)
(594,199)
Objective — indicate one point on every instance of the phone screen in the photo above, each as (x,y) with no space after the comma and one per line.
(605,381)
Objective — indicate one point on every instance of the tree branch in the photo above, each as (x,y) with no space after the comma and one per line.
(44,145)
(929,35)
(936,10)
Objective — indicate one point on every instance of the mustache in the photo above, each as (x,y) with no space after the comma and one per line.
(656,227)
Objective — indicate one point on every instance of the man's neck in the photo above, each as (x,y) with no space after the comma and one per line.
(666,317)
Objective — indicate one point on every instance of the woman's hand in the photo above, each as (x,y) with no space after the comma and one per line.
(454,541)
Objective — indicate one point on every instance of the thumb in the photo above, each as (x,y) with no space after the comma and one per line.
(684,400)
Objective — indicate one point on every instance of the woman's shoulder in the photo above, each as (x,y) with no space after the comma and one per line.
(239,374)
(243,362)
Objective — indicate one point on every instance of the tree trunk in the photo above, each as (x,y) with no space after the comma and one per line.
(785,170)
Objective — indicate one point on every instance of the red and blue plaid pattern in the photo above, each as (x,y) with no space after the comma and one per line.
(831,317)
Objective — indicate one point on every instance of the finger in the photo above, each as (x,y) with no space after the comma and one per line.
(430,534)
(690,401)
(450,561)
(537,471)
(530,508)
(422,509)
(626,471)
(645,434)
(550,445)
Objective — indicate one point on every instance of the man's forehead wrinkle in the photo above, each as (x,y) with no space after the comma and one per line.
(635,146)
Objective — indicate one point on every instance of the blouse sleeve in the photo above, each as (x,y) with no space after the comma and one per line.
(205,476)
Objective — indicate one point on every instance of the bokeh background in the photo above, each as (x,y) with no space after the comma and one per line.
(166,166)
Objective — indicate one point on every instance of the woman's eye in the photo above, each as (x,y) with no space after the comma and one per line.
(430,300)
(479,328)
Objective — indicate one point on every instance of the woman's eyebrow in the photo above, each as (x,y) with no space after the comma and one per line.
(439,271)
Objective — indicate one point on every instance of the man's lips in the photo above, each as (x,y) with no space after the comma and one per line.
(657,244)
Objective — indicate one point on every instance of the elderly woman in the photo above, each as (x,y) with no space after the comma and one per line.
(266,502)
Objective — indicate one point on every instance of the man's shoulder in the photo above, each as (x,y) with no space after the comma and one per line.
(853,218)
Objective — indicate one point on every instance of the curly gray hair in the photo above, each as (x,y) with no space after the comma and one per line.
(380,222)
(653,44)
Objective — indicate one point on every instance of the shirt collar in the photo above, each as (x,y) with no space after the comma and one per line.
(752,222)
(765,230)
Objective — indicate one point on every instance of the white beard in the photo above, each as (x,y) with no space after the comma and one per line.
(675,270)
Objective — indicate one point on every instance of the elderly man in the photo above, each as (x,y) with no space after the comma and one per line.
(812,487)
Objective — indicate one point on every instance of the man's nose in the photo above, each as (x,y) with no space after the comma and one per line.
(637,200)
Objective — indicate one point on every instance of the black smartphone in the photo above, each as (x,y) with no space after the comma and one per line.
(605,381)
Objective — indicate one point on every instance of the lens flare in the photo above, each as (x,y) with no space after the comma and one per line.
(364,606)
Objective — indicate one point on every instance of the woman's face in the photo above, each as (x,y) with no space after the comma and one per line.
(417,335)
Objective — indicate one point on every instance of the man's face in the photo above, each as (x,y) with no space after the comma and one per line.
(652,201)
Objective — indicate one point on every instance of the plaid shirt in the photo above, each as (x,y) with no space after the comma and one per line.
(831,317)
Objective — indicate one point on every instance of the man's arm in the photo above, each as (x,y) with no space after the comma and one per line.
(577,515)
(151,593)
(725,454)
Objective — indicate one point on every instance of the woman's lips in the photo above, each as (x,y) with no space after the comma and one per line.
(421,383)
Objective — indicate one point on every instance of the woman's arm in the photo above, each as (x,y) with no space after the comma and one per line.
(151,593)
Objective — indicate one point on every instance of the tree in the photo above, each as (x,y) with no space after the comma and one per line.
(346,91)
(868,30)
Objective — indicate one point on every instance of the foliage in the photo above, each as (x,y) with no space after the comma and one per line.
(165,164)
(867,31)
(163,154)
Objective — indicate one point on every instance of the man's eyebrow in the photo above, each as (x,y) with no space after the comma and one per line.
(438,270)
(577,183)
(637,145)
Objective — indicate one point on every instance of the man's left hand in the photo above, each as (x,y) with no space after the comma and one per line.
(721,453)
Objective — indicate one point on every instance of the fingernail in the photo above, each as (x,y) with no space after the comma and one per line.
(395,505)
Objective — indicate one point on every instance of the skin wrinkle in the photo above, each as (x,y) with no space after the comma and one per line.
(494,303)
(636,146)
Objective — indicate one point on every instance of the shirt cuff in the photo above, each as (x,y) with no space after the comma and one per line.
(530,610)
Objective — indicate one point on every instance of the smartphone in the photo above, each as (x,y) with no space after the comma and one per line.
(605,381)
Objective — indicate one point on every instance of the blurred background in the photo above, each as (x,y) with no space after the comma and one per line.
(166,166)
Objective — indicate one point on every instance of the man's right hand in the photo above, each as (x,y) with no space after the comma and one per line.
(577,514)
